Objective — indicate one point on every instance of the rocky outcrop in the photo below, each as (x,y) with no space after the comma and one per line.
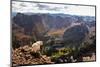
(75,35)
(25,56)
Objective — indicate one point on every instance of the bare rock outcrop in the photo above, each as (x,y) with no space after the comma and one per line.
(25,56)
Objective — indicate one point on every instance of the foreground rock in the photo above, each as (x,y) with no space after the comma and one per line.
(25,56)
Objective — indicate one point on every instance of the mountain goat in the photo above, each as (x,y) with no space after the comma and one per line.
(37,46)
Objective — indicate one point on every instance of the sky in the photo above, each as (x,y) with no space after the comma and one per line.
(31,7)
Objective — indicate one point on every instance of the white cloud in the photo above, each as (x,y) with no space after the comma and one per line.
(81,10)
(52,8)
